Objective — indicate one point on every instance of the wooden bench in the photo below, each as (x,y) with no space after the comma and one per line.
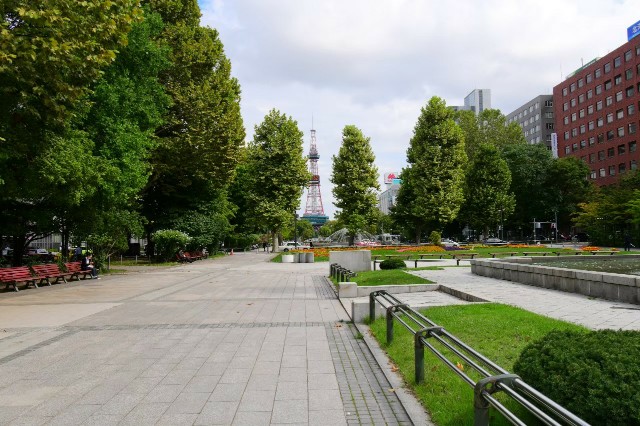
(609,252)
(75,269)
(49,271)
(423,257)
(463,256)
(510,253)
(567,253)
(14,276)
(536,253)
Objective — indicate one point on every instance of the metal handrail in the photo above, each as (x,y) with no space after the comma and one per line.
(494,378)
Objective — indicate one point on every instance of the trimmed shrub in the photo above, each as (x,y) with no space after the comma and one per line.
(392,264)
(168,242)
(435,238)
(596,375)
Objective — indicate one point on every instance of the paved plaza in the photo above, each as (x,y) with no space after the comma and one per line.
(234,340)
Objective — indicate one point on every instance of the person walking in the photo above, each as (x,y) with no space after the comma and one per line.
(627,242)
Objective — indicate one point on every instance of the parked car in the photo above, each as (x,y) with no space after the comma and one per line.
(41,254)
(368,243)
(446,242)
(494,241)
(290,245)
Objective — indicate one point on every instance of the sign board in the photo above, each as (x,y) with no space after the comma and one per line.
(554,145)
(633,30)
(397,181)
(390,176)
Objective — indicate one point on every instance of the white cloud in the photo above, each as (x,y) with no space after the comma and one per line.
(374,63)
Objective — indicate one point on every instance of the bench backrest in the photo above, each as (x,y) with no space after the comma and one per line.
(73,266)
(15,273)
(47,269)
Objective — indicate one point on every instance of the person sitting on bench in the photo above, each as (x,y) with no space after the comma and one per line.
(88,265)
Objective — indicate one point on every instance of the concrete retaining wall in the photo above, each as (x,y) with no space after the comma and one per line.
(604,285)
(355,261)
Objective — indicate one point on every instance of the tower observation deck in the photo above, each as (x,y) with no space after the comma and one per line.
(314,212)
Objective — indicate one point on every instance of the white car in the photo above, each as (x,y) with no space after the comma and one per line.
(290,245)
(446,242)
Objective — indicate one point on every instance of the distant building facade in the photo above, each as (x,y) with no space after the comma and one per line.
(477,101)
(536,118)
(387,198)
(596,113)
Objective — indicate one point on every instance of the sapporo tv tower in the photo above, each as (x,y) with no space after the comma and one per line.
(314,212)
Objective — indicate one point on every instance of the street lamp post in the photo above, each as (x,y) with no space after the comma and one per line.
(295,230)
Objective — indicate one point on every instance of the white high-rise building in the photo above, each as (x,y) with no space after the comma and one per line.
(477,101)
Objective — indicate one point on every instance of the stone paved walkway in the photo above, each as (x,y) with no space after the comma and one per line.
(235,340)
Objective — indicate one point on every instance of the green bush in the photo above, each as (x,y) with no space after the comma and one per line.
(392,264)
(168,242)
(596,375)
(435,237)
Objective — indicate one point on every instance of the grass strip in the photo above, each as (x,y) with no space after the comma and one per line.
(499,332)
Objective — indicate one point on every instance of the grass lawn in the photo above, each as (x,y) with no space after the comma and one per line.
(499,332)
(388,277)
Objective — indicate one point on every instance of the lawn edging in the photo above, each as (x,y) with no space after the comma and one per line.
(352,289)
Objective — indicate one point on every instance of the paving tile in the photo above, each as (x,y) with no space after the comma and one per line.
(202,384)
(331,418)
(177,419)
(145,414)
(290,412)
(291,391)
(228,392)
(252,418)
(257,400)
(325,400)
(217,413)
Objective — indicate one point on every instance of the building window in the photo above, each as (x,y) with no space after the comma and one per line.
(567,150)
(629,91)
(610,117)
(564,91)
(573,87)
(593,174)
(619,114)
(581,98)
(574,131)
(592,157)
(548,114)
(609,100)
(575,146)
(549,126)
(589,94)
(583,128)
(628,74)
(621,149)
(573,116)
(580,82)
(591,125)
(602,172)
(608,85)
(590,109)
(600,121)
(566,120)
(581,113)
(619,96)
(583,144)
(633,165)
(565,106)
(589,78)
(601,138)
(620,132)
(548,103)
(600,155)
(612,170)
(627,56)
(610,134)
(597,73)
(573,102)
(611,152)
(631,109)
(598,89)
(617,62)
(617,79)
(632,128)
(622,168)
(566,136)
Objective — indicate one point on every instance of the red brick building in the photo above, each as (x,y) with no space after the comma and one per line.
(596,113)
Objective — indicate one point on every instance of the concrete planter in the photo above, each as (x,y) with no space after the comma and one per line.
(287,258)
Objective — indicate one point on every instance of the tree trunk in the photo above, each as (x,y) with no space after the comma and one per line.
(274,242)
(418,234)
(18,250)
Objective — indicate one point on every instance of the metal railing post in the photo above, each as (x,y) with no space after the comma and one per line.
(389,325)
(480,403)
(419,357)
(372,306)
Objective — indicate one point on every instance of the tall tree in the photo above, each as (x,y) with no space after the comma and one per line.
(488,198)
(432,189)
(488,127)
(200,140)
(277,173)
(355,180)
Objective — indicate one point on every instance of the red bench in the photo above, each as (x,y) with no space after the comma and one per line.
(75,269)
(14,276)
(49,271)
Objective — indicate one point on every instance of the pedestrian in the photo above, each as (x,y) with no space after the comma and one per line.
(77,254)
(627,242)
(264,246)
(88,265)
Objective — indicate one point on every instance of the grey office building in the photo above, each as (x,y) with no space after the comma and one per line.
(477,101)
(536,119)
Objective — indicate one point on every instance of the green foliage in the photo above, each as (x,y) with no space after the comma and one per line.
(355,180)
(488,200)
(595,375)
(168,242)
(435,238)
(432,189)
(393,263)
(276,172)
(388,277)
(488,127)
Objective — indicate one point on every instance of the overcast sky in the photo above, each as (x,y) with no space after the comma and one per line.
(375,63)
